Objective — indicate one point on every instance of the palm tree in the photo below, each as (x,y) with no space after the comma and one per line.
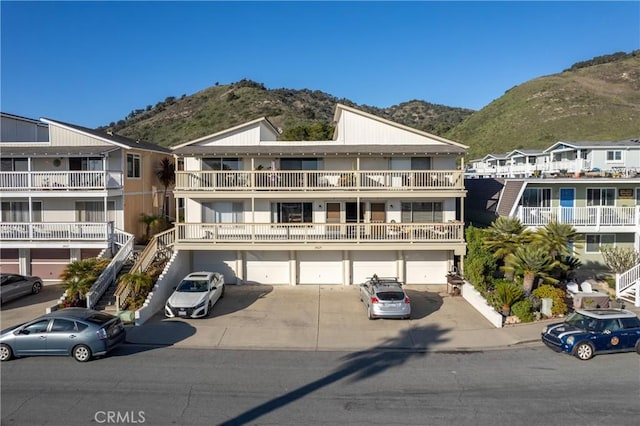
(504,236)
(557,238)
(140,283)
(166,173)
(149,220)
(531,262)
(78,277)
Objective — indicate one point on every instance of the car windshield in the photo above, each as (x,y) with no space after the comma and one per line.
(584,322)
(390,295)
(193,286)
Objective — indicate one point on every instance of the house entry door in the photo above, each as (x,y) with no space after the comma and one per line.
(567,199)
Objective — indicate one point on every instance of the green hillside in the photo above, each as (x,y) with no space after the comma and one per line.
(590,101)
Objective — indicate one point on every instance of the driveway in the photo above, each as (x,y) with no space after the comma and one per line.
(29,307)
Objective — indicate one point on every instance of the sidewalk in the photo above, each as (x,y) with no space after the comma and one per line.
(318,318)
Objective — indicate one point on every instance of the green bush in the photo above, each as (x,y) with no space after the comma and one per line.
(556,294)
(523,309)
(505,294)
(479,264)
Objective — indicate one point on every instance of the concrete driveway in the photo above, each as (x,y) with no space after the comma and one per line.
(29,307)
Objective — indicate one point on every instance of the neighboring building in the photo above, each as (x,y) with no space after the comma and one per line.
(380,198)
(66,189)
(614,158)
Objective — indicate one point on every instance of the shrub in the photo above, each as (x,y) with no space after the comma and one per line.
(505,294)
(479,264)
(523,309)
(556,294)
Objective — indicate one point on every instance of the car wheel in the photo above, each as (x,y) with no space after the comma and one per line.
(82,353)
(583,351)
(5,352)
(222,293)
(35,289)
(209,306)
(370,314)
(638,347)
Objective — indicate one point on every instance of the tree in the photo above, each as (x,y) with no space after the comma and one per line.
(166,173)
(619,259)
(557,239)
(530,262)
(479,264)
(140,282)
(78,277)
(504,236)
(150,220)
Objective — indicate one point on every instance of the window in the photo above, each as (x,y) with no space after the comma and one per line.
(291,212)
(61,325)
(222,212)
(14,165)
(86,163)
(90,211)
(180,210)
(221,164)
(601,196)
(595,241)
(300,164)
(418,212)
(133,165)
(37,327)
(18,211)
(637,196)
(536,197)
(614,155)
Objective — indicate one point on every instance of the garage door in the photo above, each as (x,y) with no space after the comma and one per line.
(267,267)
(319,267)
(48,264)
(9,261)
(367,263)
(223,262)
(426,267)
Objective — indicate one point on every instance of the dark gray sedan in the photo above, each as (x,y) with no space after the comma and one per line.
(13,286)
(79,332)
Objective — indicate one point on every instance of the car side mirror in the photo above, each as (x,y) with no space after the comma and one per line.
(175,286)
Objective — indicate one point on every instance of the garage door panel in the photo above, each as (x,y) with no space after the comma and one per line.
(223,262)
(48,264)
(268,267)
(428,267)
(10,261)
(367,263)
(320,267)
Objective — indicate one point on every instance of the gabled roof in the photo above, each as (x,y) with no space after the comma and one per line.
(261,120)
(113,139)
(56,151)
(526,152)
(341,107)
(18,117)
(625,143)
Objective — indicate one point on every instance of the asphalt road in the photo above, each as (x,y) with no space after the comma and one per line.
(169,386)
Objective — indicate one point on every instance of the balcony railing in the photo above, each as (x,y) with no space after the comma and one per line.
(47,231)
(319,232)
(318,180)
(60,181)
(596,216)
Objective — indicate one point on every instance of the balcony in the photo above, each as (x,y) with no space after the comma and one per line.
(49,231)
(314,233)
(319,180)
(622,219)
(60,181)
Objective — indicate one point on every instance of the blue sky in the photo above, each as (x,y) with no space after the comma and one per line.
(91,63)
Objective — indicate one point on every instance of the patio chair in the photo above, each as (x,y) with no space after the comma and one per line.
(586,287)
(572,288)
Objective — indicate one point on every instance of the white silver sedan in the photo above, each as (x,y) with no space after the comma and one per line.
(385,298)
(195,296)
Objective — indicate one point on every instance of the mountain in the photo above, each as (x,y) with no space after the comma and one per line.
(593,100)
(300,114)
(598,99)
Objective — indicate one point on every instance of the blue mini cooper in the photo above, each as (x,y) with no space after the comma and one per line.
(586,333)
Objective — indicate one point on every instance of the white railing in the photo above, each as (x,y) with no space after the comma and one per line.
(60,181)
(596,216)
(60,231)
(626,281)
(318,180)
(110,273)
(319,232)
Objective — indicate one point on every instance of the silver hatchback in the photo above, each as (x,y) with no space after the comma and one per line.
(385,298)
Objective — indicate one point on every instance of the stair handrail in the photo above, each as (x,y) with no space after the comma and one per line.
(108,276)
(628,279)
(161,242)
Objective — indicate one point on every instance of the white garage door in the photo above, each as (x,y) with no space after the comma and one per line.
(223,262)
(267,267)
(320,267)
(426,267)
(367,263)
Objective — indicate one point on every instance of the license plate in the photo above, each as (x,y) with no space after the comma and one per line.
(182,313)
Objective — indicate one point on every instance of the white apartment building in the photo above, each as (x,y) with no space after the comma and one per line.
(380,198)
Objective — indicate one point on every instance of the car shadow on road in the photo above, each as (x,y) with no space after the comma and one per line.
(356,366)
(239,297)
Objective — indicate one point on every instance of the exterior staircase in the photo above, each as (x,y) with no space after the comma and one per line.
(107,302)
(628,286)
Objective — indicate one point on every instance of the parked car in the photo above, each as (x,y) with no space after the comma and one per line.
(586,333)
(195,296)
(13,286)
(385,298)
(80,332)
